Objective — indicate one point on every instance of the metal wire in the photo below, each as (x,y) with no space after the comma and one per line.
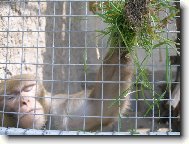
(18,131)
(85,46)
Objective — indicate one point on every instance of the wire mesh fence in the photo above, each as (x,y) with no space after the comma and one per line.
(59,76)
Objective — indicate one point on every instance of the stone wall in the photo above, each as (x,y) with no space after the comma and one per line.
(32,40)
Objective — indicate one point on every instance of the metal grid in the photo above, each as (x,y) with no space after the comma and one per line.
(57,34)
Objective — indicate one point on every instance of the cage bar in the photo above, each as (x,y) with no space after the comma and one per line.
(58,41)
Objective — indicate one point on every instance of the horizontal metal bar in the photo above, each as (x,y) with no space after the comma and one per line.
(104,82)
(74,31)
(19,131)
(58,15)
(77,64)
(94,99)
(38,16)
(66,1)
(95,116)
(53,97)
(71,47)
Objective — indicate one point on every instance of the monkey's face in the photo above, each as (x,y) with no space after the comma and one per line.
(23,105)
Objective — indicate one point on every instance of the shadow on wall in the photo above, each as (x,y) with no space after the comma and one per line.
(58,55)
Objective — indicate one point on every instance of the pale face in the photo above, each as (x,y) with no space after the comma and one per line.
(24,101)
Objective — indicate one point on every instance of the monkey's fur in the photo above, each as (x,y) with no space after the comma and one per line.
(20,103)
(70,112)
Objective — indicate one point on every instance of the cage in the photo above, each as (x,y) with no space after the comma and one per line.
(58,42)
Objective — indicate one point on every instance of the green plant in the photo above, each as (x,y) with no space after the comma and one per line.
(134,24)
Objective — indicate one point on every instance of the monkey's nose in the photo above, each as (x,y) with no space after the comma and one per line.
(25,101)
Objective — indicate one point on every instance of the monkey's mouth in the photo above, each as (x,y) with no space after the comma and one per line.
(33,112)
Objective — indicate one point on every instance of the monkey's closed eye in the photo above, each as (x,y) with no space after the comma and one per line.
(11,97)
(28,88)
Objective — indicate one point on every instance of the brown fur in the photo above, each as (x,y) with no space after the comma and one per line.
(93,107)
(15,87)
(70,112)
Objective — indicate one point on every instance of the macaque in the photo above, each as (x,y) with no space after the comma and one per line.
(18,102)
(87,110)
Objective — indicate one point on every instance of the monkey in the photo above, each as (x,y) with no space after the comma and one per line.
(19,98)
(96,110)
(87,110)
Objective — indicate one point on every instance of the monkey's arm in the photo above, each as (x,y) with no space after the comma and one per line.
(66,111)
(114,78)
(78,113)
